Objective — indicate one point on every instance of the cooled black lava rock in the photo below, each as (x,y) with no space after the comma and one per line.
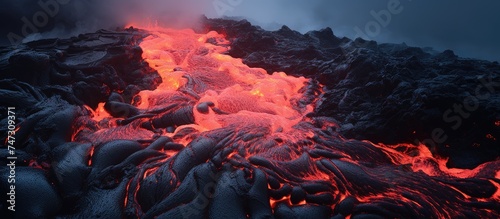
(83,69)
(388,93)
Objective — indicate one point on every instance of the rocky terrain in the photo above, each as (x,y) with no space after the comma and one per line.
(389,93)
(140,123)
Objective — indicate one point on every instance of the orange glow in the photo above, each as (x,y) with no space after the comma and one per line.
(250,95)
(91,153)
(489,136)
(126,191)
(100,113)
(426,162)
(285,198)
(496,196)
(149,172)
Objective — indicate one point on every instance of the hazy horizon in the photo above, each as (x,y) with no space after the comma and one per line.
(471,29)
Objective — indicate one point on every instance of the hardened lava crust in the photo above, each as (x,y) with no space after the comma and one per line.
(227,120)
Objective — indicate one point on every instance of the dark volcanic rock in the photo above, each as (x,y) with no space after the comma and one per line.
(160,161)
(388,93)
(83,69)
(49,82)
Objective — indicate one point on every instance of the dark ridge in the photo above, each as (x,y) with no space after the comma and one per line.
(387,93)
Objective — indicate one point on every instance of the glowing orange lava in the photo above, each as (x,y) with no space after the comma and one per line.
(248,95)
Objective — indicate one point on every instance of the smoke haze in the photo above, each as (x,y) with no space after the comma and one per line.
(471,29)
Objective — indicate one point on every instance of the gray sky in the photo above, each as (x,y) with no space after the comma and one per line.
(470,28)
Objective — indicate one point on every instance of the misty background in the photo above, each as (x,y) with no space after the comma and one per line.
(470,28)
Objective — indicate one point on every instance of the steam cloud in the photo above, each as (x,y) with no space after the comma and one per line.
(471,29)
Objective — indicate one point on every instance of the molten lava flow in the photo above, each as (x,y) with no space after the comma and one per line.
(196,63)
(245,143)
